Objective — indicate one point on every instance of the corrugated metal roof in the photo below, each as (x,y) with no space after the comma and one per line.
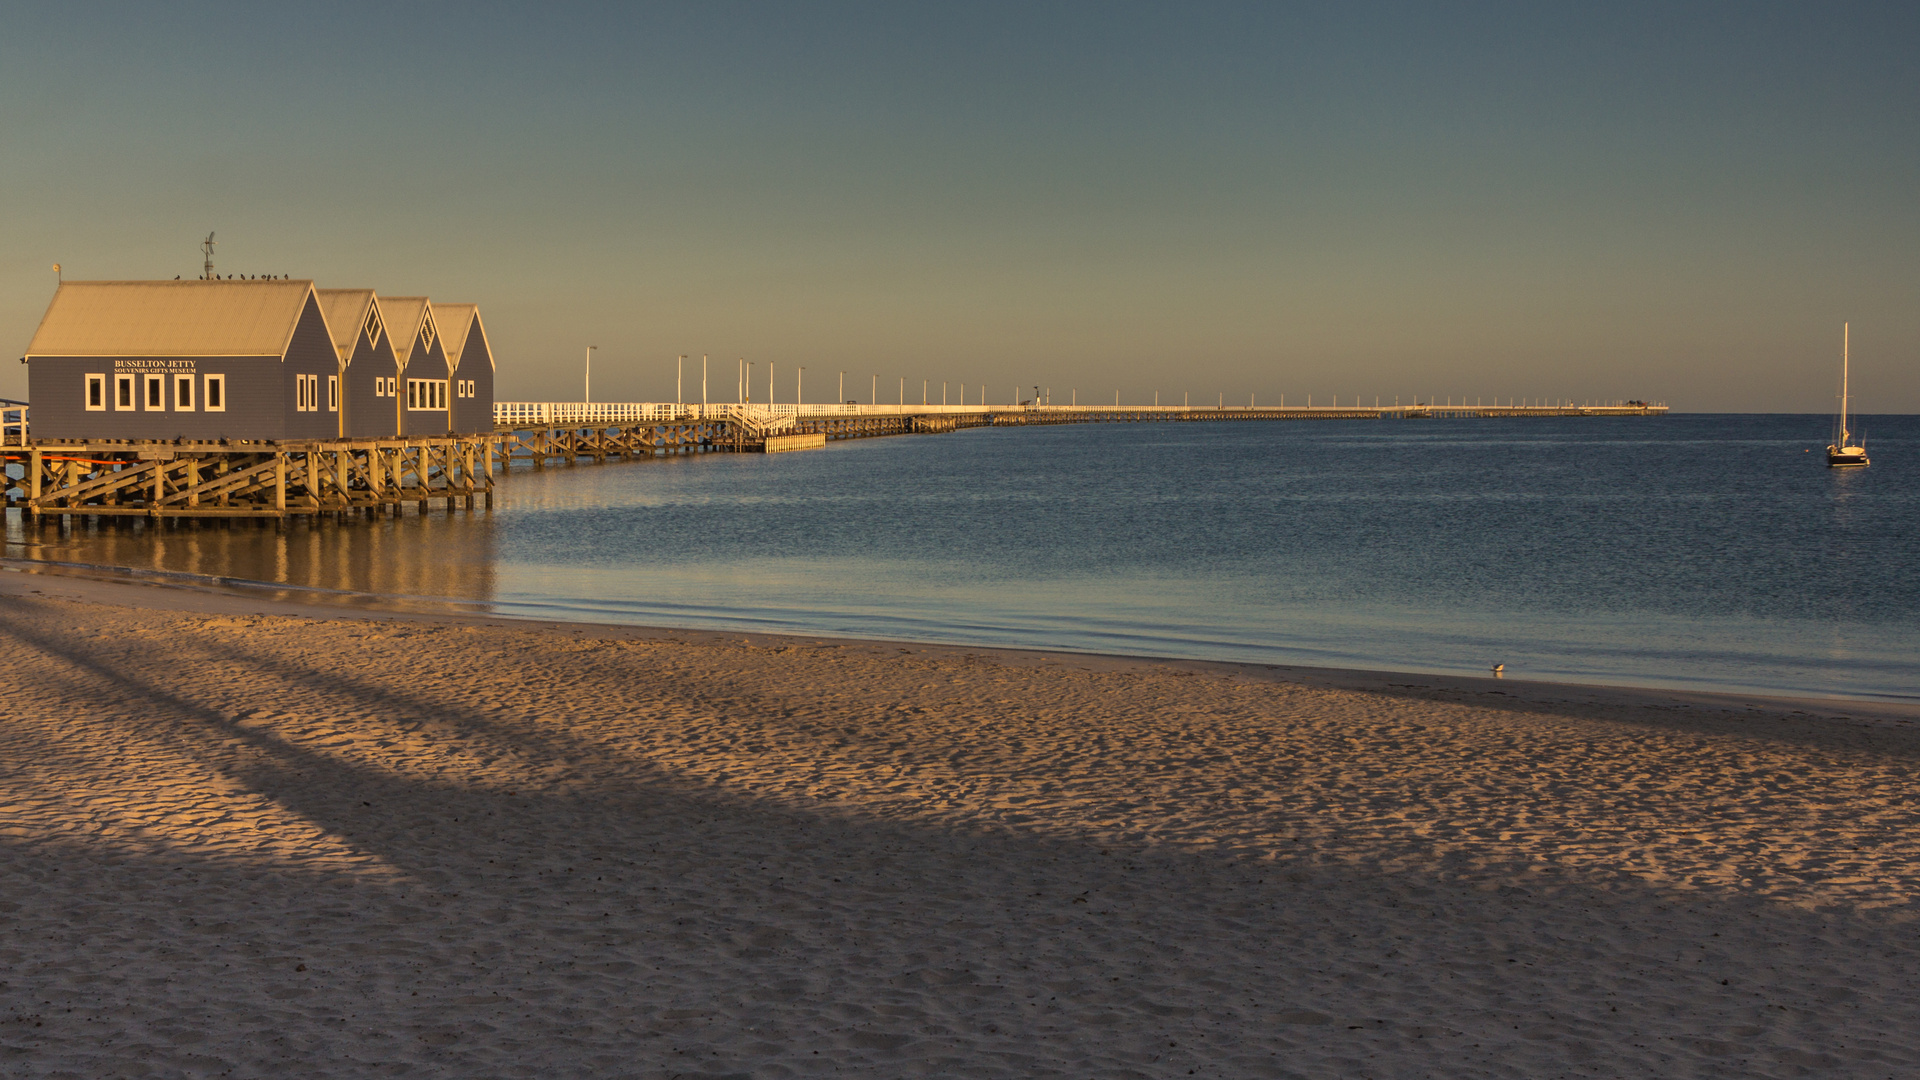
(171,318)
(346,312)
(454,321)
(403,317)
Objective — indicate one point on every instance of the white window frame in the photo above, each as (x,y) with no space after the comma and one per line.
(95,384)
(373,327)
(433,390)
(306,393)
(213,394)
(333,393)
(153,387)
(125,392)
(182,392)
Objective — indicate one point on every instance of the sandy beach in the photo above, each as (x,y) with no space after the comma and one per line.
(247,838)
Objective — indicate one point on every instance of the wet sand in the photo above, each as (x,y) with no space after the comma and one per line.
(244,837)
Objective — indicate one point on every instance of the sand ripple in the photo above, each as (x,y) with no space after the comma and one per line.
(268,844)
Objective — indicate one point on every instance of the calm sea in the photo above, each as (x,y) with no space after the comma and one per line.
(1706,552)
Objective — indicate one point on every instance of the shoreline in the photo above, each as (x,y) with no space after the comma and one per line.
(228,595)
(241,833)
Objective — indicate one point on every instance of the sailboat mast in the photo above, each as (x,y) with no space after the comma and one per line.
(1845,330)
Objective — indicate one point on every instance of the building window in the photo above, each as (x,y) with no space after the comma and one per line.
(426,394)
(122,393)
(183,393)
(96,393)
(333,393)
(156,393)
(373,327)
(216,395)
(306,396)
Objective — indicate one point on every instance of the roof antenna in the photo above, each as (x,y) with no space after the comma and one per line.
(206,245)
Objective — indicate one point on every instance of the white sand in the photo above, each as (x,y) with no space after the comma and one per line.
(238,840)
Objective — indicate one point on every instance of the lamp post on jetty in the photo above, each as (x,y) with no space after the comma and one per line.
(589,386)
(843,389)
(679,370)
(799,393)
(703,380)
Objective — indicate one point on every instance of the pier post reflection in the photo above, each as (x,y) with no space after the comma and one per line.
(403,560)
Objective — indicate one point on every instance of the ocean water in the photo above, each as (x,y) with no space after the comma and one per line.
(1700,552)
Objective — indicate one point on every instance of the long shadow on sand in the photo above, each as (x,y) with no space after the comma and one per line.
(631,921)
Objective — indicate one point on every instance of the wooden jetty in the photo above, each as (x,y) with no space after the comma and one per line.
(251,480)
(346,477)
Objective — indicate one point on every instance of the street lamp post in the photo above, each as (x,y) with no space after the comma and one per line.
(679,371)
(799,386)
(589,386)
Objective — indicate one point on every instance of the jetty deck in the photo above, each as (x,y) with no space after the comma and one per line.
(347,477)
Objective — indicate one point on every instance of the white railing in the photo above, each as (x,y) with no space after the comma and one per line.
(584,414)
(760,417)
(13,423)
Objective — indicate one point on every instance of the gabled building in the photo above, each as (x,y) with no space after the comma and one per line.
(248,360)
(369,373)
(423,402)
(463,337)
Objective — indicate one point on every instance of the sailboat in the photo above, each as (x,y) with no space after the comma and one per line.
(1843,454)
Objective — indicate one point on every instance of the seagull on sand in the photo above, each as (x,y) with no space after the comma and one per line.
(1498,669)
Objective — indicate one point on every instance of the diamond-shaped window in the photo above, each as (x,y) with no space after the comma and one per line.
(373,327)
(426,335)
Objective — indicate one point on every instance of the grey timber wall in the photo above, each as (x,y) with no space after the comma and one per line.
(310,352)
(475,414)
(370,416)
(252,398)
(428,363)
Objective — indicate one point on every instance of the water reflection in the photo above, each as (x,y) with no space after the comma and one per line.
(1706,552)
(408,561)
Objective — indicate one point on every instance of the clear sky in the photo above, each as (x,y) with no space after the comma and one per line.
(1676,202)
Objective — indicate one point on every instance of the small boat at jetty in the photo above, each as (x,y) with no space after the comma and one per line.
(1842,453)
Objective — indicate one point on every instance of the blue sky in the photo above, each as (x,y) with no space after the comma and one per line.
(1365,200)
